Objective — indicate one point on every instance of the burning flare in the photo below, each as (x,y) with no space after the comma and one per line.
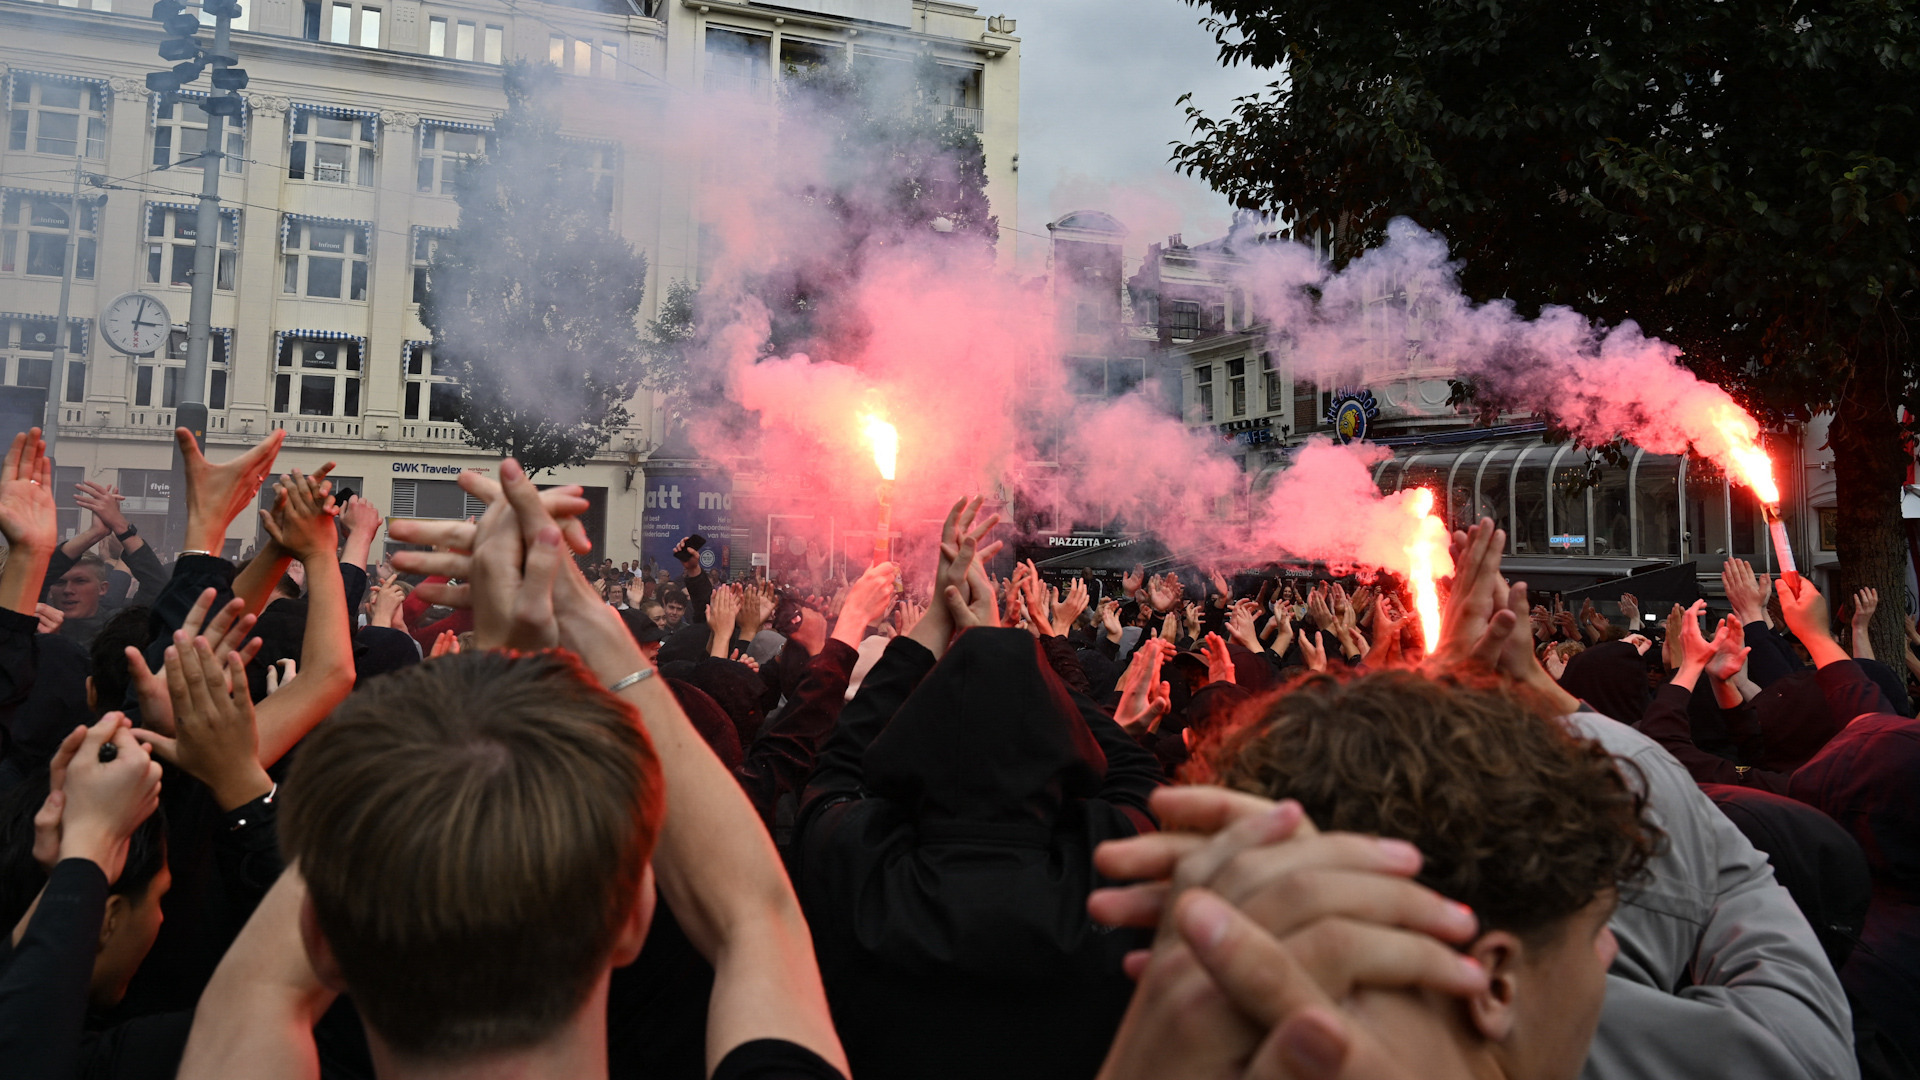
(1751,466)
(886,444)
(1426,552)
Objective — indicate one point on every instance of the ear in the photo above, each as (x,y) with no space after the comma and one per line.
(118,910)
(320,954)
(632,936)
(93,699)
(1500,953)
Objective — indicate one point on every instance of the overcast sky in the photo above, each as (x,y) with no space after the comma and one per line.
(1098,79)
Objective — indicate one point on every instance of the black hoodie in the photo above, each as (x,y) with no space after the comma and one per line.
(944,857)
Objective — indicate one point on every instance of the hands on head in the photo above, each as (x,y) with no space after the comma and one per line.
(94,805)
(962,595)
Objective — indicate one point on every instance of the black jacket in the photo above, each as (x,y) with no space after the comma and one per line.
(943,854)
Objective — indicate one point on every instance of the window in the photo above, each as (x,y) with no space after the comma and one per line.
(444,151)
(324,259)
(958,89)
(463,40)
(493,44)
(436,36)
(433,390)
(602,164)
(180,135)
(1306,407)
(608,63)
(52,117)
(317,377)
(33,236)
(171,232)
(1088,375)
(337,19)
(331,149)
(157,378)
(1088,317)
(1275,387)
(1125,373)
(29,344)
(1183,319)
(797,55)
(433,499)
(425,243)
(1237,387)
(1203,391)
(736,62)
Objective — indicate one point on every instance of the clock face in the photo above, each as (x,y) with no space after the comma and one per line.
(135,323)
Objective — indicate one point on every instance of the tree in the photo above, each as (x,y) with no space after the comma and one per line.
(899,165)
(1741,178)
(667,366)
(535,296)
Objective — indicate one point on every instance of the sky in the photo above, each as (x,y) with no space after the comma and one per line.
(1098,81)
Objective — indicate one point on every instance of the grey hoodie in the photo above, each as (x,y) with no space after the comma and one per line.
(1719,975)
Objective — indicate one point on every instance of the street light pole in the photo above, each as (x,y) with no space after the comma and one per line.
(69,257)
(191,410)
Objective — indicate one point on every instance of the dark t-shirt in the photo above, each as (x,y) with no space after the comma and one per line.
(774,1059)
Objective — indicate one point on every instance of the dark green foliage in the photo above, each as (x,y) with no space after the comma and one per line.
(535,296)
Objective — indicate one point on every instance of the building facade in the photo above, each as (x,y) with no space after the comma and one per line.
(337,183)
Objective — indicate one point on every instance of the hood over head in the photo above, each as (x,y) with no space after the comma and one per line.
(1794,721)
(710,720)
(380,649)
(1612,678)
(991,735)
(1815,859)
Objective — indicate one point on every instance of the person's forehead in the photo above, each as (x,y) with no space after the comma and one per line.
(83,574)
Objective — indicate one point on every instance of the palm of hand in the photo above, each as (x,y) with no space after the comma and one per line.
(27,513)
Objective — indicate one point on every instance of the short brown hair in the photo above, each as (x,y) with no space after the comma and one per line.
(474,831)
(1516,817)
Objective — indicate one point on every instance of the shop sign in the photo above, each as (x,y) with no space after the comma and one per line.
(1351,414)
(1085,541)
(427,468)
(1567,541)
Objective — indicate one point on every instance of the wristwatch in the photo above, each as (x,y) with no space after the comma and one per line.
(132,531)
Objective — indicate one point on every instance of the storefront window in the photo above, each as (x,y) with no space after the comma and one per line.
(1570,526)
(1612,529)
(1748,525)
(1530,501)
(1656,487)
(1430,472)
(1460,498)
(1706,508)
(1495,479)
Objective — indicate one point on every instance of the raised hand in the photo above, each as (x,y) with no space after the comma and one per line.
(1170,627)
(446,643)
(906,616)
(1730,650)
(1219,659)
(756,606)
(1134,580)
(1865,603)
(1630,610)
(1163,592)
(1283,627)
(1067,609)
(1241,623)
(972,605)
(216,739)
(302,518)
(1695,650)
(1110,620)
(722,611)
(1313,647)
(216,494)
(103,500)
(28,519)
(50,618)
(1221,588)
(280,673)
(386,602)
(1746,593)
(1144,699)
(1320,610)
(867,601)
(107,800)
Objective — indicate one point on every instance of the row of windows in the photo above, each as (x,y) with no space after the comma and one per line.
(1549,504)
(1270,388)
(49,116)
(312,377)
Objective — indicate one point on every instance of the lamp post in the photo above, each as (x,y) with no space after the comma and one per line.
(183,44)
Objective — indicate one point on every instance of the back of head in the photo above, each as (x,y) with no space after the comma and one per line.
(1516,818)
(128,626)
(474,833)
(1795,721)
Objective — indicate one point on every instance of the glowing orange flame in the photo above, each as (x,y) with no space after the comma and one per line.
(1749,464)
(1427,554)
(886,444)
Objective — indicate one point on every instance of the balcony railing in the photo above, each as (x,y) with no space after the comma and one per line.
(974,118)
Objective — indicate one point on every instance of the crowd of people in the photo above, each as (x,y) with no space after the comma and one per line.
(494,806)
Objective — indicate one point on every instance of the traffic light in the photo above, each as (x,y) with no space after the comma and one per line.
(182,43)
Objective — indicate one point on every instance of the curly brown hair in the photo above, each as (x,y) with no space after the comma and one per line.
(1517,818)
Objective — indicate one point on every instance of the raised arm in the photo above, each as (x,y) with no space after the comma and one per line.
(28,519)
(304,526)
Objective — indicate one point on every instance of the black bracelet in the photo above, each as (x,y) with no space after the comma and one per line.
(132,531)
